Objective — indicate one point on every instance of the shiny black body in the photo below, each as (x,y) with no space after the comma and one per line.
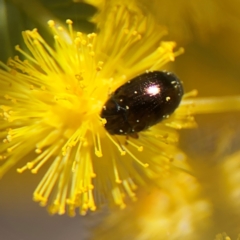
(142,102)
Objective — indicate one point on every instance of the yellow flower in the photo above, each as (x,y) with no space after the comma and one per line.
(224,236)
(188,21)
(50,105)
(196,20)
(185,206)
(177,210)
(230,169)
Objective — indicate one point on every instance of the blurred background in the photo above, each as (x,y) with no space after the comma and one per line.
(210,33)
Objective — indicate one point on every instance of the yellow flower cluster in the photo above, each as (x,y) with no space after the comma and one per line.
(176,209)
(51,98)
(50,104)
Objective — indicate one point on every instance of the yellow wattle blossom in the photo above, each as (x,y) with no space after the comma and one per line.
(184,206)
(224,236)
(176,210)
(50,104)
(188,20)
(230,169)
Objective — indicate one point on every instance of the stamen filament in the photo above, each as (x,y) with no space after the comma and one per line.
(139,148)
(145,165)
(116,173)
(119,147)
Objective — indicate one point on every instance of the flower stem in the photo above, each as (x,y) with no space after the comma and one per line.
(214,104)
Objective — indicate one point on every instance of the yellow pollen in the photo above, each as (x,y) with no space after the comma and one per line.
(2,157)
(51,23)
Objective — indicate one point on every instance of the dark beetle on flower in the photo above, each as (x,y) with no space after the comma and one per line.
(142,102)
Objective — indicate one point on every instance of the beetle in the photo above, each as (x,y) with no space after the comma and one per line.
(142,102)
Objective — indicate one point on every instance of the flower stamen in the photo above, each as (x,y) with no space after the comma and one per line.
(145,165)
(117,144)
(139,148)
(116,172)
